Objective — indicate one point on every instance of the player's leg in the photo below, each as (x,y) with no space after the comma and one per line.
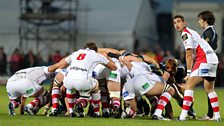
(14,94)
(41,99)
(130,105)
(114,93)
(166,92)
(71,97)
(81,103)
(213,98)
(104,98)
(188,95)
(95,93)
(58,81)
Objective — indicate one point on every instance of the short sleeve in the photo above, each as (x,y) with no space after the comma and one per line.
(103,59)
(68,59)
(187,40)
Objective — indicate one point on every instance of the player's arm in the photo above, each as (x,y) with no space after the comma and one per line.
(63,63)
(151,61)
(107,61)
(23,101)
(125,62)
(188,44)
(131,108)
(189,59)
(107,50)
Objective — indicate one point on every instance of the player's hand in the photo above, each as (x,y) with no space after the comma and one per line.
(128,113)
(186,78)
(166,75)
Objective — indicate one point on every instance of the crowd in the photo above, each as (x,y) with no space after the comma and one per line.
(17,60)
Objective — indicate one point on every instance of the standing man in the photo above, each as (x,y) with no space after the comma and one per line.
(203,69)
(206,20)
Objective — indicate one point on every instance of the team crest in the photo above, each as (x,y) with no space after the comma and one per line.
(184,37)
(207,39)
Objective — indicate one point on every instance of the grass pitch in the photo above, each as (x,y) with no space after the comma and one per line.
(200,107)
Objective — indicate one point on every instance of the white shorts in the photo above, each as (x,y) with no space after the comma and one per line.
(82,85)
(21,87)
(204,70)
(139,85)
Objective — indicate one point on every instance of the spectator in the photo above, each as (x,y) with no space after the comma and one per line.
(3,62)
(40,60)
(15,61)
(29,60)
(57,56)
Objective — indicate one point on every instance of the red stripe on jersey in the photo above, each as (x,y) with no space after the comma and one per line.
(185,30)
(200,57)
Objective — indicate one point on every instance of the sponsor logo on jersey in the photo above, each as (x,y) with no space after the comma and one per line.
(9,94)
(184,37)
(204,71)
(145,86)
(125,94)
(29,91)
(78,68)
(113,75)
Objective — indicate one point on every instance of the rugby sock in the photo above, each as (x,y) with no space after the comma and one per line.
(104,100)
(71,100)
(210,110)
(37,102)
(153,101)
(83,101)
(96,102)
(55,98)
(163,100)
(187,101)
(15,104)
(214,103)
(116,102)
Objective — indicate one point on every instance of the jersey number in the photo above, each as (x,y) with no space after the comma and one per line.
(81,56)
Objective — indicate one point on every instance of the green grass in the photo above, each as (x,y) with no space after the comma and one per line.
(200,107)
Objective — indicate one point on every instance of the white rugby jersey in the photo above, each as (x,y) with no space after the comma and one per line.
(35,74)
(83,62)
(203,51)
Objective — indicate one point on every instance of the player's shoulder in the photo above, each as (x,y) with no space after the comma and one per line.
(209,30)
(187,31)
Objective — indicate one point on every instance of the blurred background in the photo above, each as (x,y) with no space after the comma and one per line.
(41,32)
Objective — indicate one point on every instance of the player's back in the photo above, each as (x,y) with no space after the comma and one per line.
(84,61)
(34,73)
